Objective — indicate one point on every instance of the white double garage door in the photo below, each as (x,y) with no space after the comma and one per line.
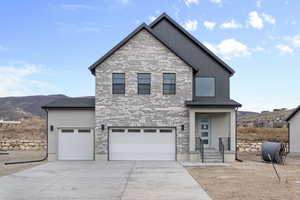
(142,144)
(123,144)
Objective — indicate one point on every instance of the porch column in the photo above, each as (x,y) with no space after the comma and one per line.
(192,120)
(232,130)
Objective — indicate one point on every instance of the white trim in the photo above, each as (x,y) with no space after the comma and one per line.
(192,134)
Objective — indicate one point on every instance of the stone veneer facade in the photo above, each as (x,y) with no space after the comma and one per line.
(142,54)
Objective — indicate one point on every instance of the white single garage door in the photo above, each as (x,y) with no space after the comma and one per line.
(142,144)
(75,144)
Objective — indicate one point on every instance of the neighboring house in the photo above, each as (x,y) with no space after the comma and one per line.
(294,131)
(157,93)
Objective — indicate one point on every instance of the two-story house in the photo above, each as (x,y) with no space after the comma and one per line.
(160,95)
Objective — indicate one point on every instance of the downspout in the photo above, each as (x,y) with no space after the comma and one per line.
(236,153)
(289,148)
(40,160)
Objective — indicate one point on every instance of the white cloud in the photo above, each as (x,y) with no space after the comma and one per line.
(191,25)
(269,18)
(285,49)
(124,1)
(216,1)
(15,80)
(2,48)
(209,25)
(229,48)
(76,6)
(189,2)
(176,11)
(255,20)
(151,18)
(258,49)
(258,4)
(231,24)
(294,40)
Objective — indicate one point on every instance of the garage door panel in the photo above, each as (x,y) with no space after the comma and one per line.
(75,146)
(141,146)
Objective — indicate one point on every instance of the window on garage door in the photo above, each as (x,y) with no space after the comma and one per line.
(84,130)
(67,131)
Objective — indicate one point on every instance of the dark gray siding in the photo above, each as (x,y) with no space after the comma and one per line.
(187,49)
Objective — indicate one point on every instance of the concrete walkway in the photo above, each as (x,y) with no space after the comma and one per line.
(89,180)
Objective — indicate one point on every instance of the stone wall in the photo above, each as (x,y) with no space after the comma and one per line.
(29,135)
(244,146)
(143,54)
(22,145)
(249,146)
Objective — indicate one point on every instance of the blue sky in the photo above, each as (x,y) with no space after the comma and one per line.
(47,46)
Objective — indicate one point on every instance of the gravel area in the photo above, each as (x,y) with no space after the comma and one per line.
(250,179)
(15,156)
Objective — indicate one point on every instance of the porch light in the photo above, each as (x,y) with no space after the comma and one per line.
(182,127)
(102,127)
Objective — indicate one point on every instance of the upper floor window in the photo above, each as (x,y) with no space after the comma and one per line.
(118,83)
(169,83)
(144,83)
(205,86)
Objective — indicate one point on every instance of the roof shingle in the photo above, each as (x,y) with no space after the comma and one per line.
(72,103)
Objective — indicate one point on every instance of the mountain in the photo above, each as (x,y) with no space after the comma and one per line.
(246,113)
(16,108)
(266,119)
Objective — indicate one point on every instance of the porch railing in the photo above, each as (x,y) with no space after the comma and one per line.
(221,148)
(200,148)
(224,145)
(226,142)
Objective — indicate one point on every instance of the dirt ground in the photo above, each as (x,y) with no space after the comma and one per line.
(250,179)
(19,156)
(252,134)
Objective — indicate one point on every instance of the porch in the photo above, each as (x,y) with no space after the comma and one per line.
(212,134)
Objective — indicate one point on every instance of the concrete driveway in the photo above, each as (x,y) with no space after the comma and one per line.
(126,180)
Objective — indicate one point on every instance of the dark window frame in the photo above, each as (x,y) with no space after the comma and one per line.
(116,90)
(66,130)
(84,130)
(215,87)
(168,84)
(143,84)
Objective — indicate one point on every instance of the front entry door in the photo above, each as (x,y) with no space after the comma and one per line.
(204,131)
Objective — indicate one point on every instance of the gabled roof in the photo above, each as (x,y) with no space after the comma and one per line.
(125,40)
(71,103)
(193,39)
(293,113)
(149,29)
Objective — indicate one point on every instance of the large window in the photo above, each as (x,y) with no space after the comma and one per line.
(169,83)
(144,83)
(205,86)
(118,83)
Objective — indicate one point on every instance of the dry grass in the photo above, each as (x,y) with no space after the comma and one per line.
(250,180)
(253,134)
(28,129)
